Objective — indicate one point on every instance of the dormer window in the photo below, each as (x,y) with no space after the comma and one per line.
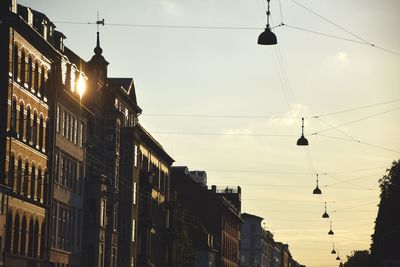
(30,17)
(63,71)
(45,29)
(73,77)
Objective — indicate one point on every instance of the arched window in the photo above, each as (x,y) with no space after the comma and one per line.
(34,129)
(21,121)
(45,187)
(41,133)
(16,235)
(11,170)
(33,177)
(39,186)
(36,79)
(28,125)
(43,83)
(36,239)
(8,233)
(30,73)
(13,115)
(48,136)
(15,61)
(19,176)
(42,239)
(23,67)
(23,235)
(30,240)
(26,178)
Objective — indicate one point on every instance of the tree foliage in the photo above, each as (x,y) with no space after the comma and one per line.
(359,258)
(386,238)
(185,252)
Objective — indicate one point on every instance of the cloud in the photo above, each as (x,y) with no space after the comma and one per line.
(235,131)
(293,116)
(170,6)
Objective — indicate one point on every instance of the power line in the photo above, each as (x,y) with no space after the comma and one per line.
(163,26)
(354,121)
(224,134)
(342,38)
(361,142)
(227,28)
(224,116)
(293,173)
(332,23)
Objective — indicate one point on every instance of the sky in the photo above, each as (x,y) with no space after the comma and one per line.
(219,102)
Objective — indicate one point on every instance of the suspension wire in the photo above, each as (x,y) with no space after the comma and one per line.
(361,142)
(280,9)
(359,108)
(357,120)
(348,182)
(226,28)
(267,116)
(332,23)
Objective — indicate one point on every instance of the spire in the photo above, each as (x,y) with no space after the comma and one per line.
(98,50)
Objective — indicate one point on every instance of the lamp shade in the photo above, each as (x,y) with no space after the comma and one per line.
(267,37)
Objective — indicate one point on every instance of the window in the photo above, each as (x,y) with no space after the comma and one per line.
(64,126)
(15,61)
(11,171)
(23,67)
(134,193)
(21,121)
(39,186)
(41,133)
(19,175)
(28,125)
(36,79)
(67,132)
(133,229)
(13,115)
(135,159)
(34,130)
(102,212)
(115,217)
(116,176)
(81,135)
(26,177)
(33,177)
(58,119)
(30,72)
(75,127)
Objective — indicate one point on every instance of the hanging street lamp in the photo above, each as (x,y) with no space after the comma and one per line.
(325,215)
(267,37)
(302,141)
(317,191)
(330,230)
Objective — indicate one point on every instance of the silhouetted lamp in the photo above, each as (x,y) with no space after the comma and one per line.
(267,37)
(333,249)
(341,264)
(330,230)
(302,141)
(317,191)
(338,258)
(325,215)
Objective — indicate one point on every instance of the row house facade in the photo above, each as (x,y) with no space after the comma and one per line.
(213,217)
(258,247)
(28,61)
(82,182)
(154,249)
